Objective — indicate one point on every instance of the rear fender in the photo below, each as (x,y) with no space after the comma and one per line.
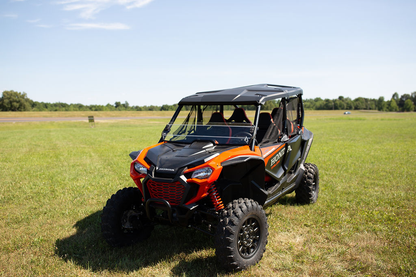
(307,138)
(242,177)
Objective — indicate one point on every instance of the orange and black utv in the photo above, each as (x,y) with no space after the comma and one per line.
(220,161)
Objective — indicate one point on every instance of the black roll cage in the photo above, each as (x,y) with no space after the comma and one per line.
(284,101)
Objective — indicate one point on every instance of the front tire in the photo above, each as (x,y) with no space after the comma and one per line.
(124,221)
(308,190)
(241,235)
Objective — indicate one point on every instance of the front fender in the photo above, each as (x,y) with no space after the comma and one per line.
(242,177)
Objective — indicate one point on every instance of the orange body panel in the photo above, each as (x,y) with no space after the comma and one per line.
(215,165)
(134,174)
(204,184)
(266,159)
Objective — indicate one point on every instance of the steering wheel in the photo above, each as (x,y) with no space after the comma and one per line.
(246,136)
(243,134)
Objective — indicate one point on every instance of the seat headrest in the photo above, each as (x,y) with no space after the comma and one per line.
(239,116)
(216,117)
(264,120)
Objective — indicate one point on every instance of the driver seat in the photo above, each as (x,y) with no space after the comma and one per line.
(216,120)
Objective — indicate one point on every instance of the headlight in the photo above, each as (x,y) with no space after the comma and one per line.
(140,168)
(202,173)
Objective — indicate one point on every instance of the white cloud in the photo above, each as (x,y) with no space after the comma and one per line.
(88,8)
(134,3)
(33,20)
(104,26)
(10,15)
(44,26)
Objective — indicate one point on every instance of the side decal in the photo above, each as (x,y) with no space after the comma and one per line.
(276,159)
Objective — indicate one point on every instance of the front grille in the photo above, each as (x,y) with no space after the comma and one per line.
(171,192)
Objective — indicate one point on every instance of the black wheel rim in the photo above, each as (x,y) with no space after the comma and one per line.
(249,238)
(130,222)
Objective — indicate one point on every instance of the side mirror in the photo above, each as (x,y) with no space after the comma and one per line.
(133,155)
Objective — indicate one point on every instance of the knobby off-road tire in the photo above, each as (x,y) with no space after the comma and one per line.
(124,221)
(241,235)
(307,192)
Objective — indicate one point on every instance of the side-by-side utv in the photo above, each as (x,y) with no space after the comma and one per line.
(219,162)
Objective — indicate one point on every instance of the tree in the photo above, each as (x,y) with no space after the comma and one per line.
(270,105)
(339,105)
(349,105)
(319,105)
(109,107)
(413,97)
(408,106)
(403,99)
(15,101)
(381,104)
(393,106)
(308,104)
(395,97)
(359,104)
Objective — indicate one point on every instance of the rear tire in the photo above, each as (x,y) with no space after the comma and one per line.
(124,221)
(241,235)
(308,190)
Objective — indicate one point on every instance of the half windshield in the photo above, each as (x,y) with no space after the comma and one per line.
(220,124)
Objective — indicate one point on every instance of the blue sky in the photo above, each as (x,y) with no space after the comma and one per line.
(154,52)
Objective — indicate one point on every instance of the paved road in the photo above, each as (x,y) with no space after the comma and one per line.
(34,119)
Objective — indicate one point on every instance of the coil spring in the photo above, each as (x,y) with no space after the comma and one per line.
(215,198)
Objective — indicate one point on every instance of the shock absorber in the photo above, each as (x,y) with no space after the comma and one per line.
(215,198)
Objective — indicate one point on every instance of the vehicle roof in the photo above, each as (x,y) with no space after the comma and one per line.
(254,94)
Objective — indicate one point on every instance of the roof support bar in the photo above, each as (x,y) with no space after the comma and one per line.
(256,123)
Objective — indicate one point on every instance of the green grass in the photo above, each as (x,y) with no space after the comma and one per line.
(86,114)
(55,177)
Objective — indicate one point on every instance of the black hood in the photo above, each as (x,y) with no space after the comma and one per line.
(170,157)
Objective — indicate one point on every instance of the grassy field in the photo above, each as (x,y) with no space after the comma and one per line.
(55,177)
(86,114)
(127,114)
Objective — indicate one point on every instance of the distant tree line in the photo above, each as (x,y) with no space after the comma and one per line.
(18,101)
(404,103)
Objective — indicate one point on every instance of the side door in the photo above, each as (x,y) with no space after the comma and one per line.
(292,128)
(274,157)
(292,152)
(286,123)
(282,157)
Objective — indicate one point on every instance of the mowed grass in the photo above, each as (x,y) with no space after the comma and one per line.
(86,114)
(55,177)
(98,114)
